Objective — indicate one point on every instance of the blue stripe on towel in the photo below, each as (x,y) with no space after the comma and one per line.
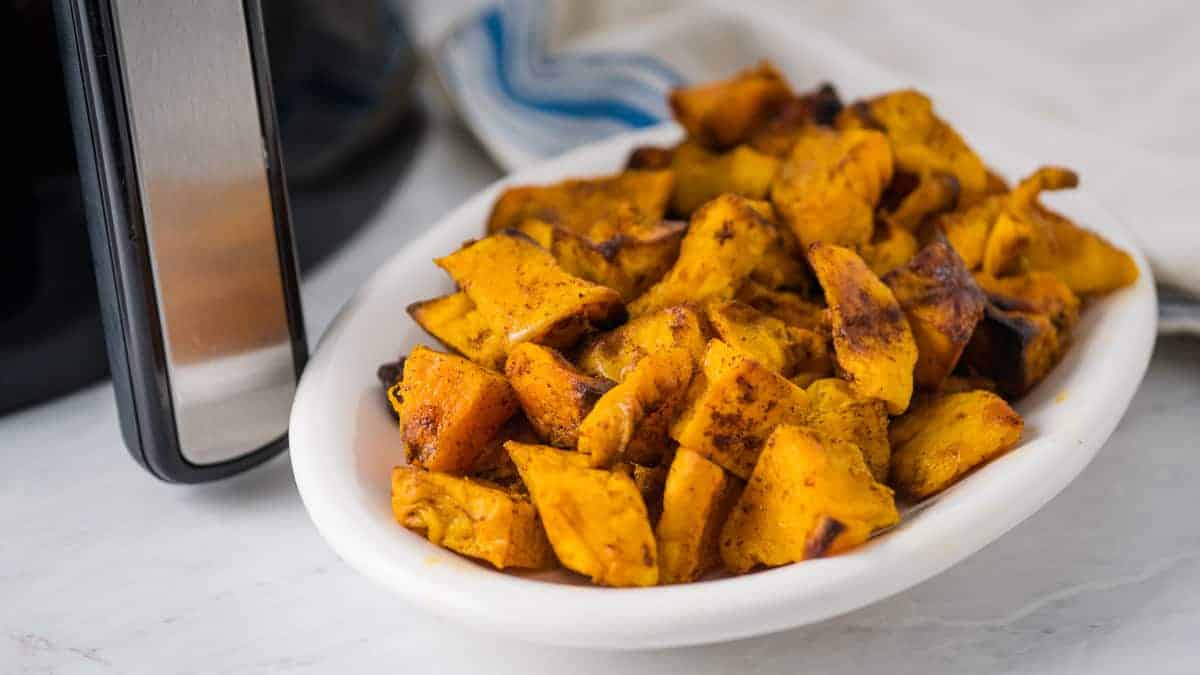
(606,108)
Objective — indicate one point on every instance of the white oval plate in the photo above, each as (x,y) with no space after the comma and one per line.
(343,444)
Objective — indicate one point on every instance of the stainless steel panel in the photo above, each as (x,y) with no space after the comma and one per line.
(200,160)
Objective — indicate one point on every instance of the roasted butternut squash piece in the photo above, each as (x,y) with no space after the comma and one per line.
(809,496)
(471,518)
(1007,242)
(652,392)
(769,341)
(650,482)
(1036,292)
(650,157)
(923,143)
(912,200)
(827,189)
(733,407)
(873,345)
(695,503)
(394,398)
(727,239)
(597,208)
(494,465)
(456,323)
(939,441)
(942,304)
(789,307)
(615,353)
(1086,262)
(579,257)
(521,291)
(837,411)
(1013,233)
(702,176)
(996,184)
(1014,349)
(723,114)
(645,253)
(555,396)
(956,384)
(628,263)
(778,133)
(890,247)
(783,267)
(595,519)
(968,229)
(451,408)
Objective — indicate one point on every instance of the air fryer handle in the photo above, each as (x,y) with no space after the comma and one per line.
(190,228)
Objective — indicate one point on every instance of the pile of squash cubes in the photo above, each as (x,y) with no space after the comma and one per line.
(737,352)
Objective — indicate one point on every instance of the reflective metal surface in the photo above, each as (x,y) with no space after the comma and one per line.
(200,160)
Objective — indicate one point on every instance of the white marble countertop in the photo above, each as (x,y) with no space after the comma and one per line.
(103,569)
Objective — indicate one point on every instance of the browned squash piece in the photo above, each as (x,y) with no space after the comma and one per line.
(940,441)
(645,253)
(1083,260)
(650,158)
(494,465)
(650,482)
(911,200)
(454,320)
(1007,242)
(838,412)
(769,341)
(696,501)
(956,384)
(968,229)
(470,517)
(727,239)
(521,291)
(890,247)
(779,132)
(595,519)
(1036,292)
(942,304)
(579,257)
(873,345)
(807,326)
(614,354)
(394,398)
(542,234)
(451,410)
(790,308)
(734,407)
(923,143)
(817,361)
(616,428)
(702,176)
(1013,233)
(555,396)
(827,189)
(805,379)
(783,267)
(996,184)
(1013,349)
(597,208)
(628,263)
(809,496)
(723,114)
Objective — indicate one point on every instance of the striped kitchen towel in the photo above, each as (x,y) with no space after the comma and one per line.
(527,102)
